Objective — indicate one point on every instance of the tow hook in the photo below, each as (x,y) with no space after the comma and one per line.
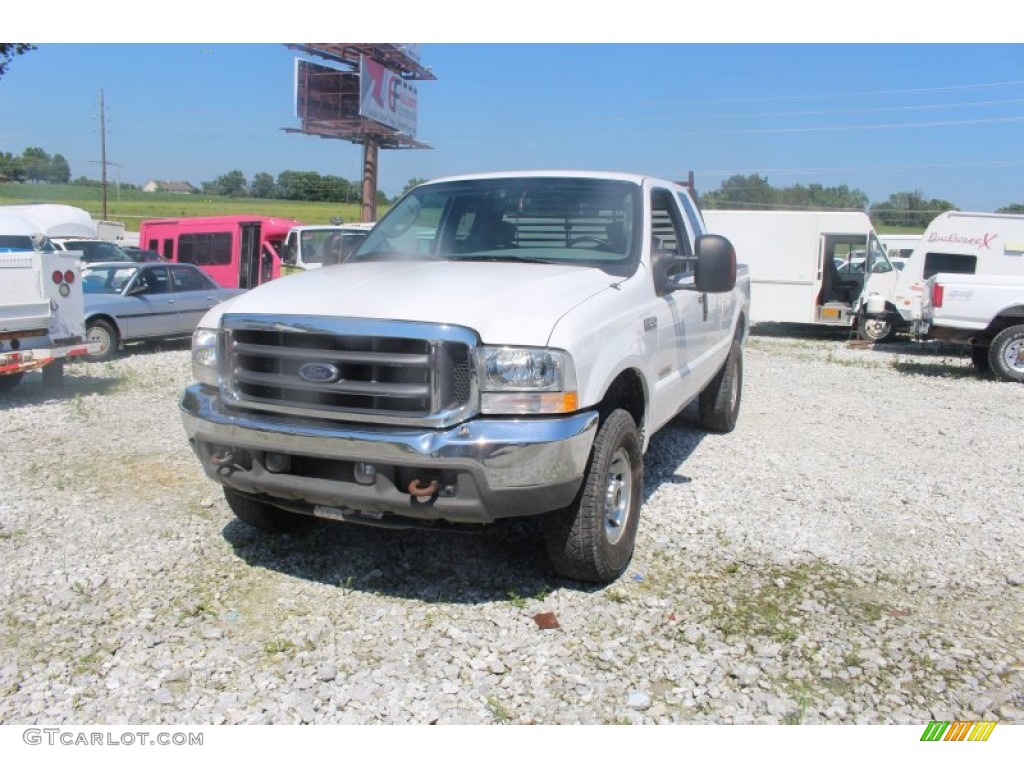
(421,491)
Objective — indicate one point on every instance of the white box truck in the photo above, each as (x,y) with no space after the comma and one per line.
(813,267)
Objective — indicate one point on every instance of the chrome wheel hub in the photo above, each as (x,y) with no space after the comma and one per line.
(618,496)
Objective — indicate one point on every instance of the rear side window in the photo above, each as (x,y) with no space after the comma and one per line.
(205,249)
(186,279)
(957,263)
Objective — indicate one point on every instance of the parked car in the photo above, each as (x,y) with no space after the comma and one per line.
(142,255)
(126,302)
(92,250)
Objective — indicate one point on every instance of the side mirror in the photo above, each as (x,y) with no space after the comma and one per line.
(135,290)
(716,265)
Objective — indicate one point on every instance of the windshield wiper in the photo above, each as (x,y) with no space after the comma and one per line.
(506,257)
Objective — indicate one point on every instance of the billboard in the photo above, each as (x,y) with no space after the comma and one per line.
(386,97)
(325,93)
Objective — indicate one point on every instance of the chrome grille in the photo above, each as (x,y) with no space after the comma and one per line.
(366,370)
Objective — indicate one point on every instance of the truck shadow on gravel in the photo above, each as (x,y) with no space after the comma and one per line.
(30,390)
(503,562)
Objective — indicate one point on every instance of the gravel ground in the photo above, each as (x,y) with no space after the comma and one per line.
(852,553)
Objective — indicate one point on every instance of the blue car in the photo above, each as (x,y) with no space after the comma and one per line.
(129,301)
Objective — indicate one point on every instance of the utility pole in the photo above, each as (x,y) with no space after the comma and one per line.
(103,154)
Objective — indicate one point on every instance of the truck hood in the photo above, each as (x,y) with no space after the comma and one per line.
(504,302)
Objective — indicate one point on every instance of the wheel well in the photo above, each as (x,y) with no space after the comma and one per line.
(105,318)
(741,328)
(1005,319)
(626,392)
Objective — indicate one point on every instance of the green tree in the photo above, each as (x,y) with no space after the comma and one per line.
(231,184)
(908,209)
(742,192)
(11,168)
(409,185)
(36,164)
(60,171)
(1014,208)
(9,50)
(262,185)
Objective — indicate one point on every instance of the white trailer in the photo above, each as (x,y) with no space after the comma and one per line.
(964,243)
(813,267)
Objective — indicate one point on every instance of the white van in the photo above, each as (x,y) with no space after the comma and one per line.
(312,246)
(816,267)
(961,243)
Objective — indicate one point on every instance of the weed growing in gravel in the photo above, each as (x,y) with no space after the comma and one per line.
(796,717)
(274,647)
(516,599)
(498,710)
(5,534)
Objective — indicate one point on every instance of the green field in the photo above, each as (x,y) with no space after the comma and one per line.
(132,206)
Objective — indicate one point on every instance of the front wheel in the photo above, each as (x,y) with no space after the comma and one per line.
(593,540)
(1006,354)
(875,329)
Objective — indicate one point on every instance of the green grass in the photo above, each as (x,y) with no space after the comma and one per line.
(132,206)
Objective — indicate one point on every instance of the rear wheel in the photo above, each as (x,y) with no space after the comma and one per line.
(1006,355)
(10,381)
(261,515)
(593,539)
(720,400)
(979,356)
(103,332)
(53,375)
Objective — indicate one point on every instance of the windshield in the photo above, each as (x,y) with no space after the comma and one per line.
(588,222)
(11,243)
(97,250)
(111,279)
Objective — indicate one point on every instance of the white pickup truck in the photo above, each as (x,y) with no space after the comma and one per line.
(42,312)
(984,311)
(500,345)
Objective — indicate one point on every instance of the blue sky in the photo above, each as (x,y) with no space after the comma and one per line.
(943,119)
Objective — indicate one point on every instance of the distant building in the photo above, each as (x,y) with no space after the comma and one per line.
(177,187)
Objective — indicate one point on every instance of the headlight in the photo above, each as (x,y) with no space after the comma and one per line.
(524,380)
(204,356)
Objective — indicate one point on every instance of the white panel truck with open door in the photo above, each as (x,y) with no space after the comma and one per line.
(813,267)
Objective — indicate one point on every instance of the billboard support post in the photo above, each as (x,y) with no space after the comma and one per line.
(370,154)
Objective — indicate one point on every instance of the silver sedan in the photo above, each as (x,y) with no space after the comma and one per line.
(126,301)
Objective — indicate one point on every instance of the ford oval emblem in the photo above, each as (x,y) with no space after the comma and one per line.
(319,373)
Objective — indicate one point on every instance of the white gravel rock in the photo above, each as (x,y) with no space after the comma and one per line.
(850,553)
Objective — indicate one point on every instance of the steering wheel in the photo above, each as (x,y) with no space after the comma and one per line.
(599,242)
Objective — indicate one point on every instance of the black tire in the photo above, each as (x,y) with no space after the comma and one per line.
(979,356)
(877,330)
(10,381)
(53,375)
(593,539)
(106,334)
(261,515)
(720,401)
(1006,354)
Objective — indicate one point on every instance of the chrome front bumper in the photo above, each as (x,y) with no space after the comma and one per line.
(486,468)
